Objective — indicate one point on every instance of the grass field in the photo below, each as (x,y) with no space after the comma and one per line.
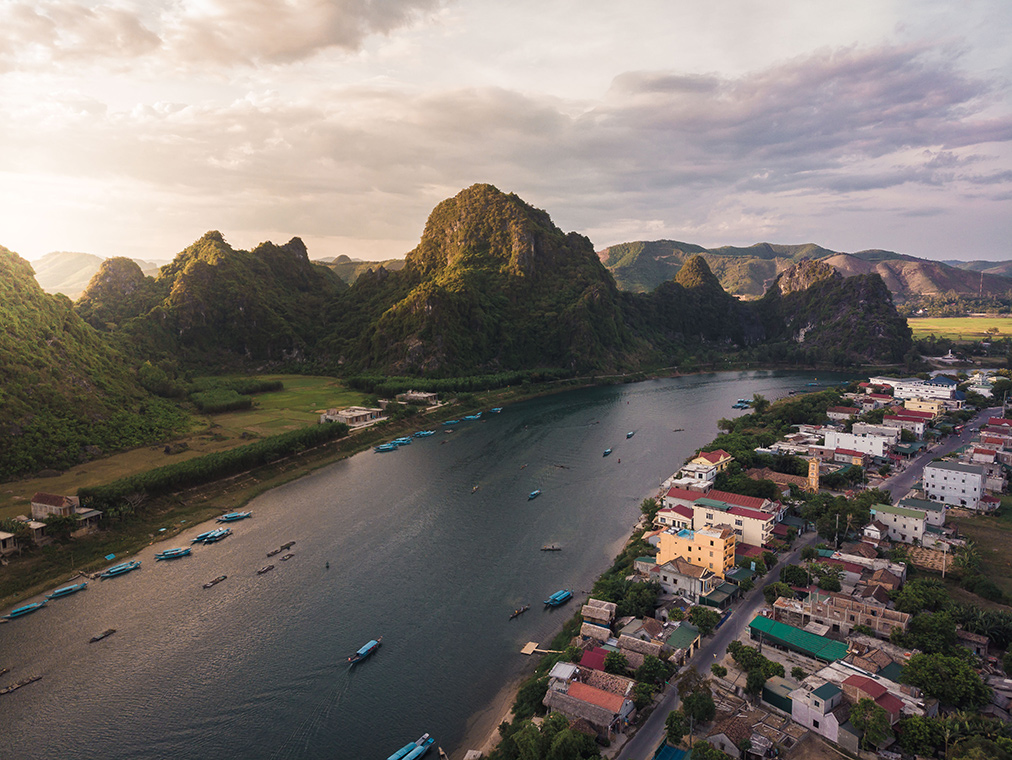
(993,535)
(959,328)
(298,405)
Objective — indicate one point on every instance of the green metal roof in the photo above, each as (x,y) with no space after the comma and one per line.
(893,671)
(740,574)
(889,509)
(800,641)
(827,691)
(683,636)
(922,504)
(713,503)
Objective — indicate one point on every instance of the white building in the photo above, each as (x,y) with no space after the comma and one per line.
(876,445)
(902,523)
(938,387)
(960,485)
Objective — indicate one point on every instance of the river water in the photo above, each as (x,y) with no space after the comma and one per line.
(255,667)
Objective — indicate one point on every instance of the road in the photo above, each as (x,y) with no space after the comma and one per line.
(643,744)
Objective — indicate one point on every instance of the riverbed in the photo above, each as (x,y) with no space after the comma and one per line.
(431,546)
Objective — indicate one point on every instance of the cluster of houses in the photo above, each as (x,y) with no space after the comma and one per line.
(362,416)
(45,505)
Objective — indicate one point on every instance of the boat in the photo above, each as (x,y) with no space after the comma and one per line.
(216,581)
(288,545)
(274,551)
(473,416)
(495,409)
(33,679)
(420,750)
(534,494)
(68,590)
(173,553)
(401,441)
(217,535)
(551,548)
(451,422)
(365,651)
(630,434)
(25,610)
(233,516)
(606,452)
(408,748)
(385,447)
(120,569)
(265,569)
(105,634)
(424,433)
(202,536)
(287,557)
(520,611)
(559,597)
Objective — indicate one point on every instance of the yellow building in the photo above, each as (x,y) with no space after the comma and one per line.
(712,548)
(930,405)
(719,459)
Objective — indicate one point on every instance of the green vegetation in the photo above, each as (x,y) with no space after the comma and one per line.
(950,680)
(872,721)
(961,329)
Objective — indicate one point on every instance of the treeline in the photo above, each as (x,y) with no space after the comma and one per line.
(205,469)
(390,386)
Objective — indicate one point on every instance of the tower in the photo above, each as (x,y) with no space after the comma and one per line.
(813,475)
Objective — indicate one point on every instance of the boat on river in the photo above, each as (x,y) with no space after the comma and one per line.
(173,553)
(551,548)
(273,552)
(495,409)
(630,434)
(476,416)
(287,557)
(233,516)
(215,581)
(217,535)
(265,569)
(365,650)
(197,539)
(287,545)
(534,494)
(520,611)
(120,569)
(424,433)
(33,679)
(409,747)
(104,635)
(25,610)
(451,422)
(383,447)
(559,598)
(68,590)
(401,441)
(606,452)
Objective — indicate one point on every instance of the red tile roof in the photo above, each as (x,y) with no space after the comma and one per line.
(780,529)
(891,704)
(594,696)
(901,417)
(751,502)
(913,413)
(999,422)
(843,410)
(881,396)
(850,567)
(984,451)
(683,494)
(747,550)
(50,499)
(714,456)
(752,514)
(850,453)
(593,658)
(678,509)
(872,688)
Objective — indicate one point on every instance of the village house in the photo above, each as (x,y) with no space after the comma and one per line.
(840,612)
(820,707)
(876,445)
(959,485)
(782,479)
(709,547)
(606,712)
(850,456)
(8,545)
(915,425)
(599,611)
(729,735)
(842,413)
(682,578)
(418,398)
(353,416)
(938,388)
(46,505)
(902,524)
(675,516)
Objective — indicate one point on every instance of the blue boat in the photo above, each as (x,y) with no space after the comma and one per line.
(172,553)
(424,433)
(559,597)
(606,452)
(533,494)
(451,422)
(217,535)
(420,750)
(630,434)
(495,409)
(386,447)
(233,516)
(410,747)
(25,610)
(120,569)
(401,441)
(202,536)
(68,590)
(365,651)
(473,416)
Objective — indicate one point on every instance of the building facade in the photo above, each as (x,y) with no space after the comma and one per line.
(960,485)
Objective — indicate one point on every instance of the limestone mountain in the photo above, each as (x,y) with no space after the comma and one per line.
(69,273)
(349,269)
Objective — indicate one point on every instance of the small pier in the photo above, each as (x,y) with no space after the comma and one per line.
(532,647)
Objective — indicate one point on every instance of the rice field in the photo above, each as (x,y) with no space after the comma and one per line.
(964,329)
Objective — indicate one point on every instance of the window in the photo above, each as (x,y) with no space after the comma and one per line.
(815,724)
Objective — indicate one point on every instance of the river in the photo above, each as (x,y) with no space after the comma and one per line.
(255,667)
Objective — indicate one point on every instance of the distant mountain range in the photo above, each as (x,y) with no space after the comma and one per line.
(69,273)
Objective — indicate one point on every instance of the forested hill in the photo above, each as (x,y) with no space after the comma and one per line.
(65,395)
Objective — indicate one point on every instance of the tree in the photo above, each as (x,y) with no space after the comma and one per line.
(830,583)
(760,403)
(654,670)
(872,721)
(755,681)
(809,552)
(769,559)
(675,727)
(793,575)
(615,662)
(919,735)
(746,585)
(642,694)
(705,619)
(572,654)
(776,590)
(705,751)
(1006,662)
(699,706)
(931,632)
(797,673)
(950,680)
(718,670)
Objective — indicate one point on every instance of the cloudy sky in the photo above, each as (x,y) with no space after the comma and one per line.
(131,127)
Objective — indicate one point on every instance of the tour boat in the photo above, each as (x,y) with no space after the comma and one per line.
(386,447)
(534,494)
(408,750)
(424,433)
(559,597)
(233,516)
(401,441)
(173,553)
(365,651)
(473,416)
(217,535)
(202,536)
(606,452)
(104,635)
(28,608)
(33,679)
(68,590)
(287,557)
(120,569)
(274,551)
(216,581)
(551,548)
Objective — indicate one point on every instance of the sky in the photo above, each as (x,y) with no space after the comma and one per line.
(131,127)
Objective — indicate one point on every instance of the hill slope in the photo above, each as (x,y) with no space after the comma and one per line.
(69,273)
(906,276)
(349,269)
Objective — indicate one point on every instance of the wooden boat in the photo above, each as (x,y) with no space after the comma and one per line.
(233,516)
(534,494)
(558,598)
(25,610)
(383,447)
(495,409)
(410,747)
(287,557)
(520,611)
(120,569)
(68,590)
(551,548)
(217,535)
(288,545)
(32,679)
(473,416)
(104,635)
(606,452)
(265,569)
(630,434)
(173,553)
(424,433)
(365,650)
(401,441)
(420,750)
(452,422)
(215,581)
(202,536)
(274,551)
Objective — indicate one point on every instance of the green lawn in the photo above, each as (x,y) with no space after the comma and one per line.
(959,328)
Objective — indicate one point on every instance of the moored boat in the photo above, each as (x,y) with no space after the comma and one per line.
(287,557)
(25,610)
(409,747)
(120,569)
(424,433)
(420,750)
(520,611)
(287,545)
(265,569)
(451,422)
(233,516)
(630,434)
(202,536)
(534,494)
(365,650)
(104,635)
(551,548)
(68,590)
(495,409)
(215,581)
(476,416)
(173,553)
(217,535)
(559,597)
(606,452)
(385,447)
(33,679)
(405,441)
(274,551)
